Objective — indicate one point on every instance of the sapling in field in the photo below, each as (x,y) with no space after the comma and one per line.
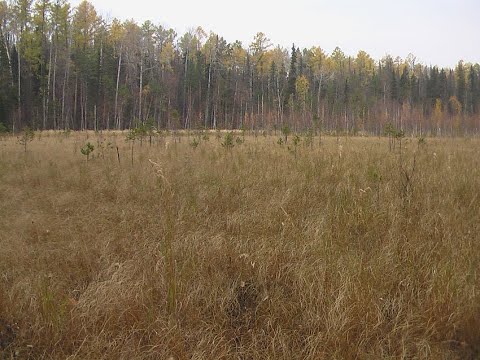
(243,129)
(390,131)
(87,149)
(239,140)
(141,131)
(285,132)
(309,138)
(131,136)
(27,136)
(421,142)
(228,141)
(102,146)
(194,143)
(151,131)
(399,135)
(394,135)
(296,142)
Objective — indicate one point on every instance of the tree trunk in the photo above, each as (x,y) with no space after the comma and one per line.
(117,117)
(207,108)
(19,91)
(140,92)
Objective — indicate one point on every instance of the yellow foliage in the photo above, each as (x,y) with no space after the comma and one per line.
(117,31)
(455,105)
(316,60)
(301,87)
(167,55)
(364,63)
(84,23)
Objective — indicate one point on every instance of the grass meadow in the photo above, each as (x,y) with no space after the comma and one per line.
(327,249)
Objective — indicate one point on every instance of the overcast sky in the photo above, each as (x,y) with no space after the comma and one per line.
(437,32)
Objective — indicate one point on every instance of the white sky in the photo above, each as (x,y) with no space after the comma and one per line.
(437,32)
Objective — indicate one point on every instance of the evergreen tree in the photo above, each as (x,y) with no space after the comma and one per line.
(7,91)
(472,91)
(394,86)
(432,86)
(292,76)
(404,85)
(415,89)
(443,86)
(460,84)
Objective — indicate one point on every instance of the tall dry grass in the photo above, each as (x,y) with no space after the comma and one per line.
(344,251)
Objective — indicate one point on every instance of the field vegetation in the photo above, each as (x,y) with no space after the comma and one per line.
(219,245)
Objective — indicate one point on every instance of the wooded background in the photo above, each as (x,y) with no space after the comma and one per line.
(67,68)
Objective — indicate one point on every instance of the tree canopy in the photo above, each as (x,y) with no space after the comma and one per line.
(68,68)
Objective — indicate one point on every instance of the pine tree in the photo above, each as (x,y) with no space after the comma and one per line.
(443,86)
(394,86)
(460,84)
(472,91)
(7,91)
(292,76)
(415,89)
(404,85)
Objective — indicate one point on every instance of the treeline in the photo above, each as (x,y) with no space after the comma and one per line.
(67,68)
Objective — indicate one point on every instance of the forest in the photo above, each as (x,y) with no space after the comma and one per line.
(64,67)
(248,201)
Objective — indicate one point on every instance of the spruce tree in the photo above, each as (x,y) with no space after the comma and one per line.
(443,86)
(415,89)
(461,86)
(404,85)
(7,95)
(394,86)
(472,91)
(292,76)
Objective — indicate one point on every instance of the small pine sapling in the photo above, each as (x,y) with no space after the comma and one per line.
(389,131)
(194,143)
(285,132)
(151,131)
(296,142)
(309,138)
(399,135)
(421,143)
(87,149)
(141,132)
(228,141)
(131,136)
(27,136)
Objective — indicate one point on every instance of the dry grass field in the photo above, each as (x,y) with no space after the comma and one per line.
(343,250)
